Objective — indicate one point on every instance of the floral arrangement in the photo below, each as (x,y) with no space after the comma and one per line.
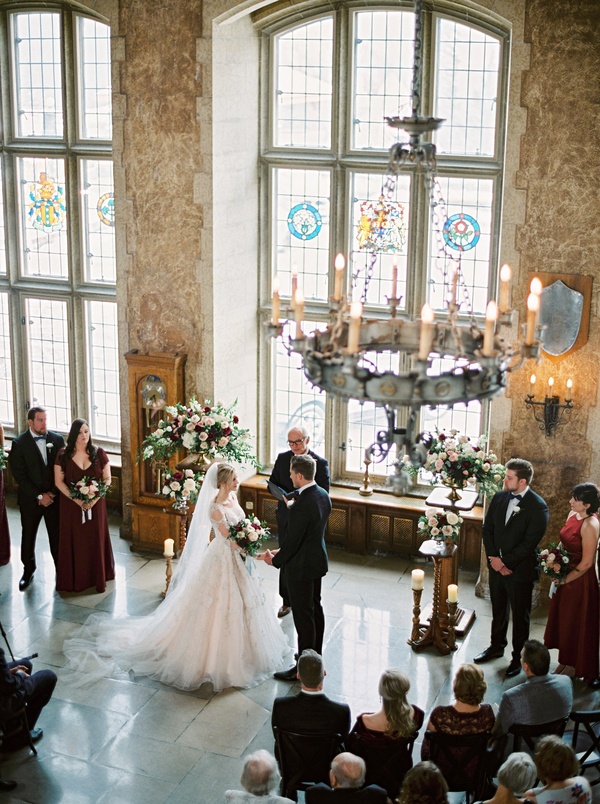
(182,487)
(454,460)
(208,430)
(249,535)
(554,561)
(440,525)
(88,489)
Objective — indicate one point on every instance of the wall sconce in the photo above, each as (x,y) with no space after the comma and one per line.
(550,412)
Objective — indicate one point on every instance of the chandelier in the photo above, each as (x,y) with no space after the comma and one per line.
(442,358)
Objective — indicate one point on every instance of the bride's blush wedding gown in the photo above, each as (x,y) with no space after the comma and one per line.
(214,626)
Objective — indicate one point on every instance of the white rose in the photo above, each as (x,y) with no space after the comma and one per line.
(165,490)
(439,465)
(84,489)
(223,441)
(188,441)
(253,536)
(565,559)
(432,522)
(442,456)
(159,432)
(452,518)
(175,485)
(169,429)
(208,421)
(189,473)
(190,427)
(203,436)
(429,512)
(447,530)
(434,531)
(486,467)
(189,484)
(195,418)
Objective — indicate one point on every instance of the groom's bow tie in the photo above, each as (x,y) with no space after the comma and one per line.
(512,496)
(39,438)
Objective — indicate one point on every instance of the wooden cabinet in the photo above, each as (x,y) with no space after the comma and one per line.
(155,381)
(380,523)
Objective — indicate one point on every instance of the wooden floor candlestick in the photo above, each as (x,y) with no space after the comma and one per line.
(451,638)
(437,632)
(169,575)
(416,632)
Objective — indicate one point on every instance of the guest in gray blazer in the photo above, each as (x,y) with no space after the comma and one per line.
(260,778)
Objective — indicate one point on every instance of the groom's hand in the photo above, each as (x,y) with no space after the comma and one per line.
(268,558)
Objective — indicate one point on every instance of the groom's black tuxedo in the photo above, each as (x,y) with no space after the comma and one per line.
(281,477)
(35,477)
(515,543)
(304,559)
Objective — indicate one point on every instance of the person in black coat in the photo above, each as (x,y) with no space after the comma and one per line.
(347,778)
(311,711)
(304,557)
(31,460)
(298,440)
(514,526)
(18,688)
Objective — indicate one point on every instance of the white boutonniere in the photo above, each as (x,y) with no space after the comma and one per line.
(49,445)
(516,510)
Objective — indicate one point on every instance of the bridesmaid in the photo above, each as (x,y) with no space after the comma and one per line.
(4,533)
(85,556)
(573,621)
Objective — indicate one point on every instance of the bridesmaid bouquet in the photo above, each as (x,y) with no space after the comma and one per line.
(553,561)
(249,534)
(88,489)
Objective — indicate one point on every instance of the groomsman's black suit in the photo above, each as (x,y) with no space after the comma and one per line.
(515,543)
(281,477)
(311,713)
(34,478)
(304,557)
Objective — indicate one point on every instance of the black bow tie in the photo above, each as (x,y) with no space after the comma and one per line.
(39,438)
(514,496)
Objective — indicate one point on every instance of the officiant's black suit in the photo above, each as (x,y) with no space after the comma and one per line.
(515,543)
(304,559)
(281,477)
(35,477)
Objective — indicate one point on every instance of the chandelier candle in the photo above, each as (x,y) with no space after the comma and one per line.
(354,328)
(536,286)
(490,325)
(340,264)
(569,387)
(533,309)
(276,300)
(426,337)
(299,312)
(505,277)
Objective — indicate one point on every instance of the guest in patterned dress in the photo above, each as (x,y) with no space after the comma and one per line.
(557,767)
(467,715)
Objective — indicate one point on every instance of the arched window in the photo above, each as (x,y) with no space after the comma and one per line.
(331,81)
(58,314)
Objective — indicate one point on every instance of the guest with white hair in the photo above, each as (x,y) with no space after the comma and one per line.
(515,776)
(260,778)
(347,778)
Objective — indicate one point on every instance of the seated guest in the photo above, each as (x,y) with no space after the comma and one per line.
(514,777)
(424,784)
(260,778)
(541,698)
(467,715)
(557,767)
(376,735)
(18,688)
(311,711)
(347,779)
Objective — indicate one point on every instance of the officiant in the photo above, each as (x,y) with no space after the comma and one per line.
(298,441)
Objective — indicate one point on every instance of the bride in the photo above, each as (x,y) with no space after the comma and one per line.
(213,625)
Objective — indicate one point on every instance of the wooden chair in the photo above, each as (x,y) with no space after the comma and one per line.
(387,762)
(530,734)
(462,759)
(21,727)
(304,759)
(586,741)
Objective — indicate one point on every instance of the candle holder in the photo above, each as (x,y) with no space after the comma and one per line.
(183,514)
(366,489)
(451,637)
(169,575)
(416,630)
(549,413)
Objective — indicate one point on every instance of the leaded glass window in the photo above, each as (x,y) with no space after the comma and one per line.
(332,80)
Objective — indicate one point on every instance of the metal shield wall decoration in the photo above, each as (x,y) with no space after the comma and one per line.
(561,310)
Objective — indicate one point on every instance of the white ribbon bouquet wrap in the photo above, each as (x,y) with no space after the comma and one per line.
(88,489)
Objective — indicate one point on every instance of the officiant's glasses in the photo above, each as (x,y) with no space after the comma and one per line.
(297,442)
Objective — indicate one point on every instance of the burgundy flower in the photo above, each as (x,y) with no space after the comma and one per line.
(235,420)
(207,409)
(226,431)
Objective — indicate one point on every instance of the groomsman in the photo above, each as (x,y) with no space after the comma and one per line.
(31,459)
(298,440)
(304,557)
(514,526)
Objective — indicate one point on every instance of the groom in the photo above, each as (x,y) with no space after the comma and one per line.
(304,557)
(513,528)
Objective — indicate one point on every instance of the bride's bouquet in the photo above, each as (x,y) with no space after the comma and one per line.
(249,535)
(88,490)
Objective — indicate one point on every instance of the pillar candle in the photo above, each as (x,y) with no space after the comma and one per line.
(340,264)
(533,306)
(505,277)
(276,300)
(417,580)
(454,282)
(426,336)
(299,312)
(294,287)
(569,389)
(354,327)
(452,593)
(490,324)
(394,279)
(168,551)
(551,384)
(536,286)
(532,380)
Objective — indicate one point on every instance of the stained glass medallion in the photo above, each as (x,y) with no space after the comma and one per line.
(381,227)
(461,232)
(304,221)
(47,210)
(106,209)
